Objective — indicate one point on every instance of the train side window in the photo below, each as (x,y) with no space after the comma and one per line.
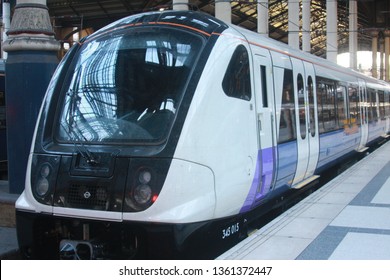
(301,106)
(372,105)
(331,104)
(354,110)
(326,92)
(328,110)
(287,128)
(321,95)
(375,105)
(382,110)
(236,82)
(387,103)
(341,106)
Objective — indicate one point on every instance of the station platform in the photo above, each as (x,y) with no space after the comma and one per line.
(346,219)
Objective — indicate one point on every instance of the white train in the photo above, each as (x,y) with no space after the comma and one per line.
(167,131)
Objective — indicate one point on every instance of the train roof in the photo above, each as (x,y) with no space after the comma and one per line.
(271,44)
(196,21)
(207,25)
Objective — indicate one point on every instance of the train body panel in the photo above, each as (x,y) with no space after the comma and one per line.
(193,128)
(222,127)
(177,204)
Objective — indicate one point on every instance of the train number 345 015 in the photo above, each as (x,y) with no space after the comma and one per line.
(230,230)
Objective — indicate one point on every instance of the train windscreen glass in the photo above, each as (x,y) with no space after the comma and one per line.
(126,86)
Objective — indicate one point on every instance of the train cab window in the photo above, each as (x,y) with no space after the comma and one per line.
(287,127)
(236,82)
(126,86)
(301,106)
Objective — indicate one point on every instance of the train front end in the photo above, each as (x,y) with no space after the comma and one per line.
(104,144)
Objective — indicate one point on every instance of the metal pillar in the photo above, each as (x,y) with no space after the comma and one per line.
(387,54)
(262,17)
(180,5)
(32,59)
(353,40)
(306,13)
(331,30)
(223,10)
(374,49)
(293,23)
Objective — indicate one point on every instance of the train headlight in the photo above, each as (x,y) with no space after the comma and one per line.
(145,176)
(142,194)
(44,170)
(42,186)
(145,180)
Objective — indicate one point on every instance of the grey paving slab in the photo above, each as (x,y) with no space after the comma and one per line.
(383,195)
(337,198)
(277,248)
(303,228)
(363,217)
(363,246)
(322,210)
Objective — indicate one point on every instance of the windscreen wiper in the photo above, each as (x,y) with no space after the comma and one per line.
(84,152)
(72,127)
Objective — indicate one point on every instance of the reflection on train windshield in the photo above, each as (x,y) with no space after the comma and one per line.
(125,87)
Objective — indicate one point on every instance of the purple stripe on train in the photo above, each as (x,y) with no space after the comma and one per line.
(262,180)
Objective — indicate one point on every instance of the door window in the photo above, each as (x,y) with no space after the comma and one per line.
(310,89)
(301,106)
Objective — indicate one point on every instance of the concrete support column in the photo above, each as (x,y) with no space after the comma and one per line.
(306,14)
(180,5)
(387,54)
(374,49)
(223,10)
(293,23)
(32,59)
(331,30)
(353,39)
(262,17)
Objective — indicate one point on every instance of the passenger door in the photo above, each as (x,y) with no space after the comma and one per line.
(265,109)
(311,119)
(364,115)
(306,119)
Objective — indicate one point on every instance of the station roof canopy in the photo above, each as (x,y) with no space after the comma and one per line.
(95,14)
